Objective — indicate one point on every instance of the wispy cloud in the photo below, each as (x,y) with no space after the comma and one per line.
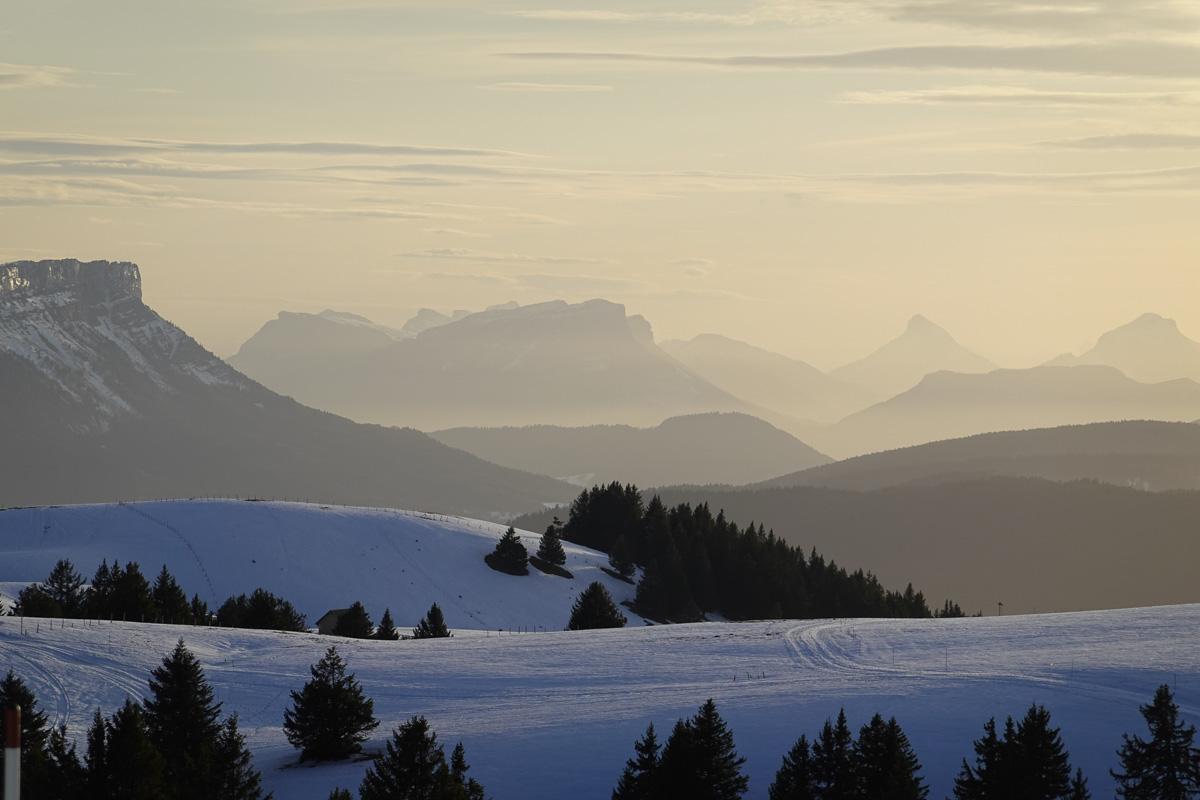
(557,88)
(483,257)
(1067,16)
(1132,141)
(788,12)
(1016,96)
(1119,58)
(25,76)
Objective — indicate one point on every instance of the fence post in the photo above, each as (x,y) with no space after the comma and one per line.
(12,752)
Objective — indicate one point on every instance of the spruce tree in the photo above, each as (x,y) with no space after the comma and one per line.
(699,759)
(355,623)
(95,764)
(639,780)
(131,596)
(413,765)
(886,766)
(991,774)
(621,559)
(170,603)
(432,625)
(65,587)
(1167,766)
(510,555)
(1079,787)
(198,611)
(340,794)
(66,774)
(36,777)
(237,779)
(594,609)
(795,779)
(458,771)
(330,716)
(181,717)
(835,771)
(550,547)
(387,628)
(134,769)
(1043,768)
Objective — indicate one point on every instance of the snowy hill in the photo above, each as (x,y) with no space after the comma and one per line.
(318,557)
(554,715)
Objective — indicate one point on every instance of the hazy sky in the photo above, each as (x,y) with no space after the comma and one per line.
(802,175)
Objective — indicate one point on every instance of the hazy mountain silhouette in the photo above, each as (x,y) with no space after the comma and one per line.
(949,405)
(428,318)
(900,364)
(700,449)
(782,384)
(550,363)
(103,399)
(1151,348)
(1155,456)
(1035,545)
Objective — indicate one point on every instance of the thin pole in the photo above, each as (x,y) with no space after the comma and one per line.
(12,752)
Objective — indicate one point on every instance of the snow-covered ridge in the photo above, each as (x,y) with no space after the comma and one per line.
(318,557)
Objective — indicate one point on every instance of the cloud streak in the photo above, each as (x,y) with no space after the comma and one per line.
(1132,141)
(27,76)
(1017,96)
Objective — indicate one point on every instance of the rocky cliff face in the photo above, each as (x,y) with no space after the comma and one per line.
(89,282)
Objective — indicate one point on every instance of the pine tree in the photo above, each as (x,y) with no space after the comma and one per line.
(991,775)
(260,611)
(170,603)
(1043,768)
(621,559)
(795,779)
(413,765)
(593,609)
(134,768)
(639,780)
(65,587)
(131,596)
(35,734)
(550,547)
(432,625)
(330,716)
(354,623)
(99,598)
(182,719)
(510,555)
(387,628)
(1079,787)
(886,766)
(834,769)
(237,779)
(34,601)
(1167,767)
(340,794)
(699,760)
(66,774)
(95,765)
(198,611)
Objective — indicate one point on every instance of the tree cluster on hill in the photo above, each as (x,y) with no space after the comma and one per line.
(1028,759)
(594,609)
(510,555)
(123,593)
(172,745)
(694,562)
(432,625)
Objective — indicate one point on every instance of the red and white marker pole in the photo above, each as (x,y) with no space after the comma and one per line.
(12,753)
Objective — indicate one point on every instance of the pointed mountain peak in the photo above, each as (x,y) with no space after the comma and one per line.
(920,325)
(1153,322)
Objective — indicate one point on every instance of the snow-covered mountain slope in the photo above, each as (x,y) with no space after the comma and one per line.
(318,557)
(554,715)
(101,398)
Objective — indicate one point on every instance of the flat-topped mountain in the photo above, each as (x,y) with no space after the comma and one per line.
(104,399)
(1150,348)
(696,449)
(922,348)
(549,363)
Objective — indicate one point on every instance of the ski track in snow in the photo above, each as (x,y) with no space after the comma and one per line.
(554,715)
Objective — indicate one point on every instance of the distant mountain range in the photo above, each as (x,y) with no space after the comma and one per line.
(1154,456)
(950,405)
(922,348)
(769,380)
(1151,348)
(103,400)
(701,449)
(549,363)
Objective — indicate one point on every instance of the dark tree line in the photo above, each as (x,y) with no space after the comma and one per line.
(124,593)
(694,562)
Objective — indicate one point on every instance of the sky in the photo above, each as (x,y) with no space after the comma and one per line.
(804,176)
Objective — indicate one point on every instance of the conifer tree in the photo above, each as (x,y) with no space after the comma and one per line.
(458,771)
(340,794)
(133,767)
(34,601)
(1043,767)
(198,611)
(795,779)
(131,599)
(1079,787)
(620,558)
(170,603)
(550,547)
(66,775)
(387,627)
(181,717)
(594,609)
(1167,766)
(36,777)
(835,772)
(510,555)
(95,764)
(639,780)
(355,623)
(413,765)
(237,779)
(330,716)
(432,625)
(887,767)
(261,611)
(699,759)
(991,774)
(65,587)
